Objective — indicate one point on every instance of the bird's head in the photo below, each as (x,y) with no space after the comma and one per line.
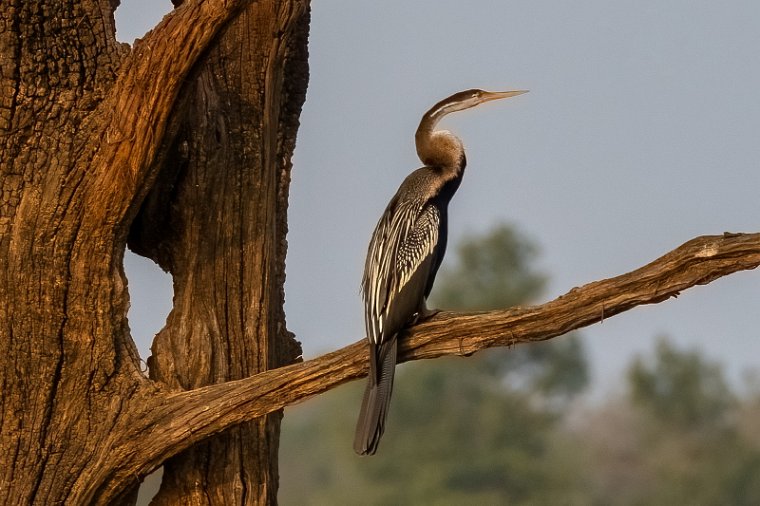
(468,99)
(442,147)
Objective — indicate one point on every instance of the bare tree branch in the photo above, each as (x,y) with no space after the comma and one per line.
(130,122)
(184,418)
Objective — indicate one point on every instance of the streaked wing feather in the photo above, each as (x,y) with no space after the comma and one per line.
(404,238)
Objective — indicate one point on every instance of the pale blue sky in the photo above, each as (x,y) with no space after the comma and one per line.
(640,132)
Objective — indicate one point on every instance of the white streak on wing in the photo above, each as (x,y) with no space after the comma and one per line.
(404,237)
(419,244)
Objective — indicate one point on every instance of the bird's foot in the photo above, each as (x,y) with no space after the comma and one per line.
(424,314)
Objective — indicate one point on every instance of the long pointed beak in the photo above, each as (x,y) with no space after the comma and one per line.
(497,95)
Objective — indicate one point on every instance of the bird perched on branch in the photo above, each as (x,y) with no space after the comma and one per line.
(405,252)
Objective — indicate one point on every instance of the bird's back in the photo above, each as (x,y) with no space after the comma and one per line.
(403,255)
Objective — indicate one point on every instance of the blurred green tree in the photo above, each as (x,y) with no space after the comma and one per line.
(491,271)
(493,429)
(680,388)
(676,439)
(459,431)
(496,270)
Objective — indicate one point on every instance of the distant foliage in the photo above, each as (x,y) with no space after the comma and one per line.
(491,271)
(460,431)
(497,270)
(504,426)
(680,388)
(680,437)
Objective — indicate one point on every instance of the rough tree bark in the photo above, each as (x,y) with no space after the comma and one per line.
(182,144)
(215,219)
(89,128)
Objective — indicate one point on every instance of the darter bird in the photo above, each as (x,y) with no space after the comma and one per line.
(405,251)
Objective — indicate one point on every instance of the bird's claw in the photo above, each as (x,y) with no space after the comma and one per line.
(424,314)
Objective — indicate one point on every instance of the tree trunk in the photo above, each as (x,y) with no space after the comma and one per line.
(216,221)
(82,142)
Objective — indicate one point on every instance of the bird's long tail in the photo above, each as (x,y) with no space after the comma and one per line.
(377,397)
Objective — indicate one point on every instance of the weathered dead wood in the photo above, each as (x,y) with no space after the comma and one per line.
(82,118)
(132,118)
(191,416)
(216,219)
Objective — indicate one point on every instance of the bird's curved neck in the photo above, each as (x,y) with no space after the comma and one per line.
(438,148)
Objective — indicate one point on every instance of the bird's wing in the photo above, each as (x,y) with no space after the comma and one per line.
(405,237)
